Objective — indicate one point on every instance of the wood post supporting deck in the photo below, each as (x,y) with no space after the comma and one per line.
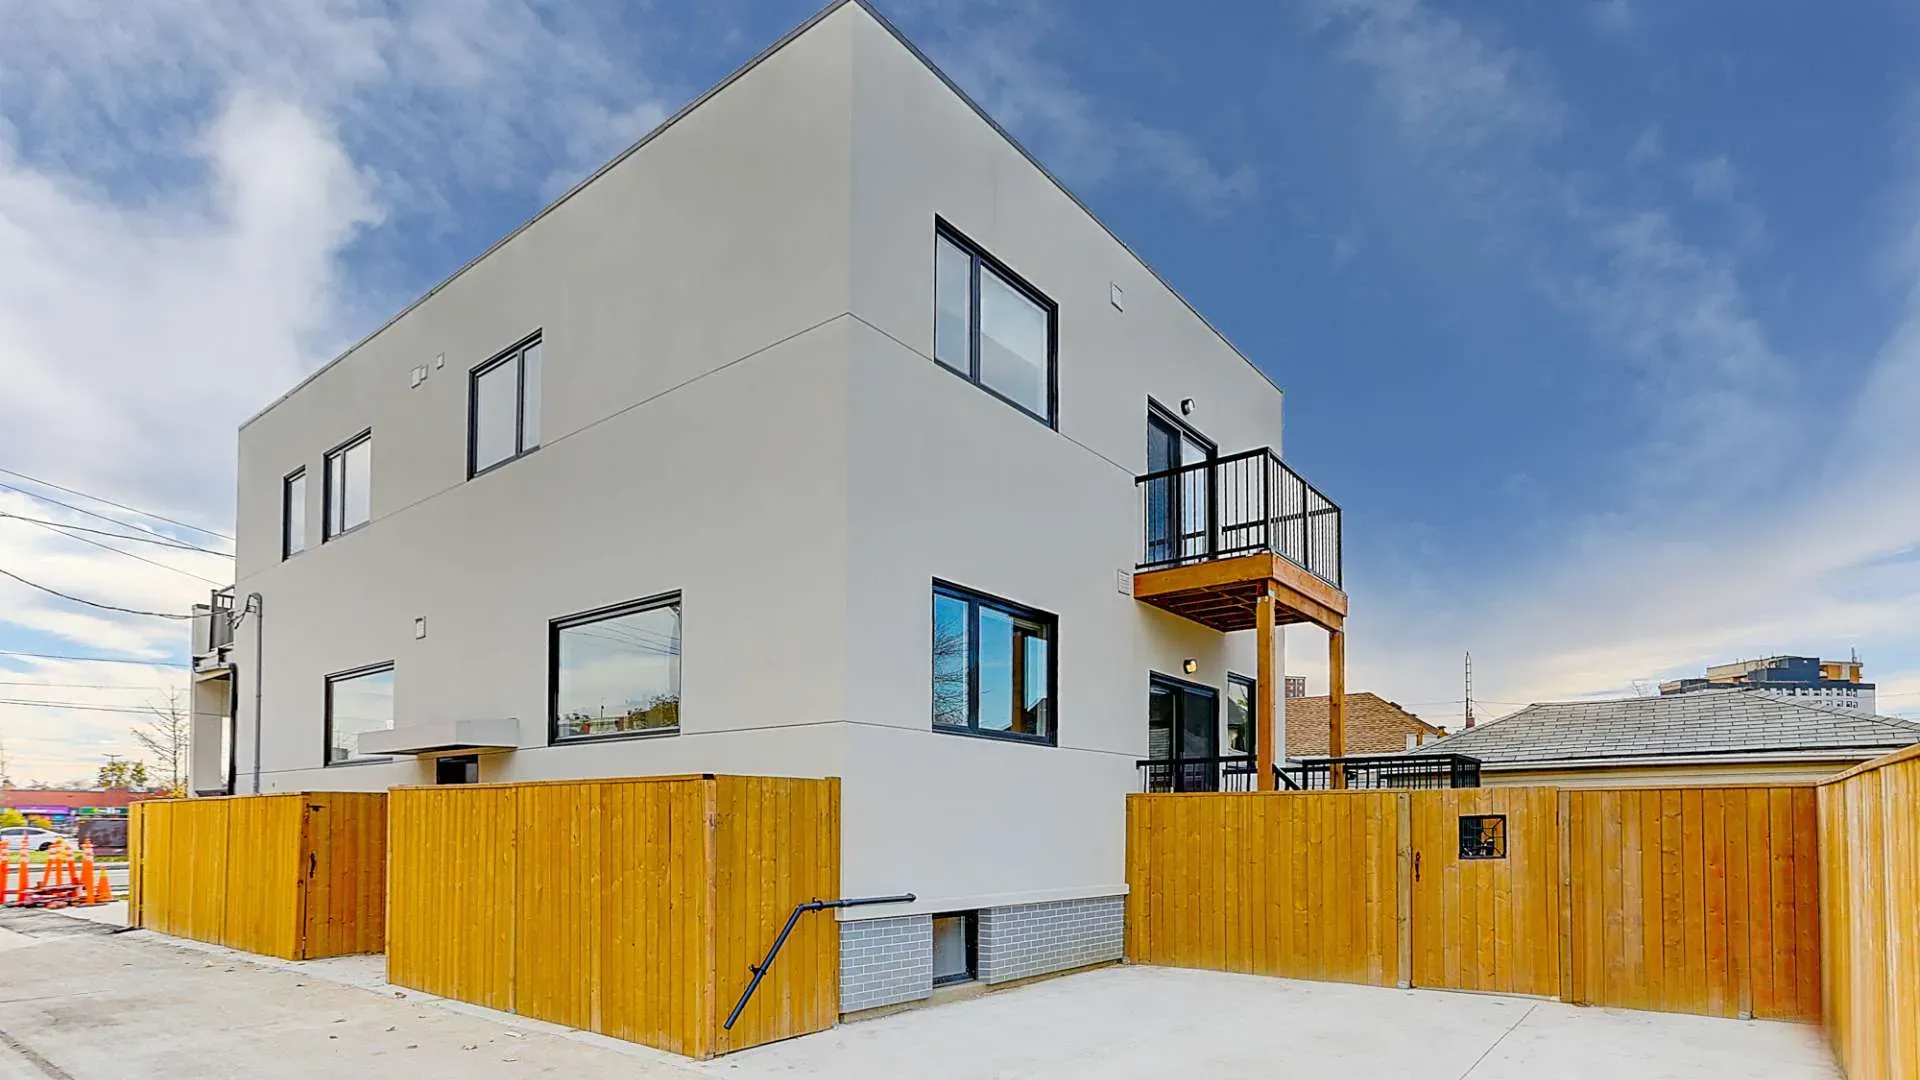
(1337,703)
(1266,691)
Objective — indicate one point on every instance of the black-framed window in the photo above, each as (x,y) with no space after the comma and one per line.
(503,407)
(615,672)
(993,667)
(349,485)
(993,327)
(1241,702)
(358,701)
(293,513)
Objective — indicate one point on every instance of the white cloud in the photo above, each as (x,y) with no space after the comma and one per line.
(1759,524)
(180,185)
(994,50)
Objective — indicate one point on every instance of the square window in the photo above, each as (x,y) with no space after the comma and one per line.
(992,327)
(357,702)
(616,672)
(993,667)
(503,410)
(1483,836)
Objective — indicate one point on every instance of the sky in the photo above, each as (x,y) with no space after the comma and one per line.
(1599,318)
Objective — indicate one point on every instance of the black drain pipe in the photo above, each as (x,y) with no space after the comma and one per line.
(760,970)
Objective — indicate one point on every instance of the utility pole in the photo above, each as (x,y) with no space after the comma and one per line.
(1469,689)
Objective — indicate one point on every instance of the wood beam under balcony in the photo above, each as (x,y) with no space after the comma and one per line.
(1223,594)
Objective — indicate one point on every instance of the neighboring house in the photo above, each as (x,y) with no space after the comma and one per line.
(823,433)
(1838,683)
(1374,726)
(64,805)
(1707,737)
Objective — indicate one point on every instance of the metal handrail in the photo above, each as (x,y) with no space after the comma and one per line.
(760,970)
(1390,771)
(1240,504)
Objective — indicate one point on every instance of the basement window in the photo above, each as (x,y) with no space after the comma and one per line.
(955,948)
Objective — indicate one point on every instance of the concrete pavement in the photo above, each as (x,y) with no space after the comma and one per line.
(80,1001)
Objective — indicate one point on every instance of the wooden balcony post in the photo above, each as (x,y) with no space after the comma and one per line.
(1337,703)
(1266,691)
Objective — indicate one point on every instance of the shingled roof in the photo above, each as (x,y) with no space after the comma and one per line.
(1716,723)
(1374,726)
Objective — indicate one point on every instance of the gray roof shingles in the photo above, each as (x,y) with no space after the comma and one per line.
(1706,722)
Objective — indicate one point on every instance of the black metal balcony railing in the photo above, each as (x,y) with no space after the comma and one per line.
(220,625)
(1233,773)
(1387,772)
(1238,505)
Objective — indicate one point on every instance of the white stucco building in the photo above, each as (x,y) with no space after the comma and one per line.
(805,438)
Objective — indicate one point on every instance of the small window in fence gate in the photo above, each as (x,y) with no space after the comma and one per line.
(1483,836)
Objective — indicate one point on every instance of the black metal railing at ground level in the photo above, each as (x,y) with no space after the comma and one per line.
(1238,505)
(1235,773)
(1388,772)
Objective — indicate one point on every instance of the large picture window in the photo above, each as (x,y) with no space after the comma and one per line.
(616,672)
(993,668)
(992,327)
(358,701)
(349,485)
(503,419)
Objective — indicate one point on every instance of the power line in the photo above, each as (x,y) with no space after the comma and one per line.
(137,558)
(110,502)
(76,509)
(90,659)
(90,603)
(88,686)
(76,706)
(156,539)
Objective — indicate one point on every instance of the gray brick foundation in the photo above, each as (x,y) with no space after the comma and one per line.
(1035,939)
(885,962)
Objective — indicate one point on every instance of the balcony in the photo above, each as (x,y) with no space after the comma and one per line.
(1237,773)
(1218,534)
(213,631)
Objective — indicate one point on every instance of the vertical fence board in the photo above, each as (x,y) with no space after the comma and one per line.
(244,872)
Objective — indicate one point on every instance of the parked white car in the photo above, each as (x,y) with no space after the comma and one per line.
(37,839)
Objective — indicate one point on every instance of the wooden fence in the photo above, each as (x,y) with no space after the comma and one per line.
(1870,893)
(1687,900)
(1696,900)
(296,876)
(627,907)
(1300,886)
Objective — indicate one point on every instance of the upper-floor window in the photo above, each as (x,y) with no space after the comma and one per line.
(349,484)
(992,666)
(503,417)
(358,702)
(617,671)
(991,326)
(293,513)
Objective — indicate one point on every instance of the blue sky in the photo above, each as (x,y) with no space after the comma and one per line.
(1598,318)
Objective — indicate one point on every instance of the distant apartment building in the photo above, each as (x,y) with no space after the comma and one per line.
(1807,679)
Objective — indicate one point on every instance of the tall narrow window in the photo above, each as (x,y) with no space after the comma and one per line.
(616,671)
(504,408)
(358,702)
(991,326)
(993,670)
(349,483)
(1240,703)
(293,513)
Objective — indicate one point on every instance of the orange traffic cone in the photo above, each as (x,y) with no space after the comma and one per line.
(6,871)
(102,889)
(86,868)
(20,895)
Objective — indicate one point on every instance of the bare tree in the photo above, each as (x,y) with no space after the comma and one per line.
(166,734)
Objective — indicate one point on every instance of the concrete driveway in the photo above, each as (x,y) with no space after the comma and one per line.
(80,1002)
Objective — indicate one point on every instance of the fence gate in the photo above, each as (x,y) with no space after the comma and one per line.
(1486,890)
